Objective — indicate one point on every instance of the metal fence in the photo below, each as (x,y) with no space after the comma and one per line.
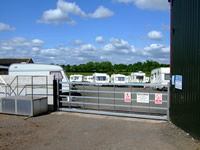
(130,100)
(26,86)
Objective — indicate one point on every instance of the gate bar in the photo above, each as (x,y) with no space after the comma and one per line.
(115,114)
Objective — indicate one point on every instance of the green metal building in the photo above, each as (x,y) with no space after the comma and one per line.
(185,65)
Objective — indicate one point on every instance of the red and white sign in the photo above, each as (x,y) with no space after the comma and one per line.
(158,98)
(127,97)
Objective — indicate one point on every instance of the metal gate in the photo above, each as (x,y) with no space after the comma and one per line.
(128,100)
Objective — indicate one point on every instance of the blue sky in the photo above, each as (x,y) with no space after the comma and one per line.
(78,31)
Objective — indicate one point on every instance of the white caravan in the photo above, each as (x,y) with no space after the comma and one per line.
(118,78)
(160,76)
(138,77)
(127,79)
(147,80)
(88,79)
(76,78)
(101,78)
(24,69)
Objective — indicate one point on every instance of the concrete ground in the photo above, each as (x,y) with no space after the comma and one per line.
(74,131)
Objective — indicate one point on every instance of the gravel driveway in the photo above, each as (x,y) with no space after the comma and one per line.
(74,131)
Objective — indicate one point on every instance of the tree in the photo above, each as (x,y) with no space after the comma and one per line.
(106,66)
(74,68)
(67,68)
(120,67)
(97,66)
(137,67)
(81,68)
(90,67)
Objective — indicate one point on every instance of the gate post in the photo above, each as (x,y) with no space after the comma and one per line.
(59,92)
(55,95)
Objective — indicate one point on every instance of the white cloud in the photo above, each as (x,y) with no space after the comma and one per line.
(101,12)
(87,47)
(50,52)
(148,4)
(84,53)
(20,47)
(52,57)
(99,39)
(155,35)
(6,27)
(165,49)
(37,42)
(56,17)
(152,4)
(118,45)
(155,47)
(35,49)
(6,48)
(20,42)
(64,11)
(77,42)
(116,51)
(157,52)
(70,8)
(61,13)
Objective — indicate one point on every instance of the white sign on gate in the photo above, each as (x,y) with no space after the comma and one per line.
(142,97)
(127,97)
(158,98)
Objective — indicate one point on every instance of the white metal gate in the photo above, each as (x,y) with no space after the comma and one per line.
(130,100)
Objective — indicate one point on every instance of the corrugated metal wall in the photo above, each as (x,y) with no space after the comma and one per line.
(185,61)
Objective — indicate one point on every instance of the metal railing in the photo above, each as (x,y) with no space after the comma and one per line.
(14,88)
(110,99)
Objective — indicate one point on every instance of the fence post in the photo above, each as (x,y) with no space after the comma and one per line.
(55,95)
(168,102)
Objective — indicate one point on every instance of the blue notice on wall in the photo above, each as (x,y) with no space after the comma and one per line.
(173,79)
(178,82)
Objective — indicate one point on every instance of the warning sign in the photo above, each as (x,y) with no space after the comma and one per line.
(127,97)
(142,97)
(158,98)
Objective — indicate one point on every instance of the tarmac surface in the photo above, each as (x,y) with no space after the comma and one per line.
(75,131)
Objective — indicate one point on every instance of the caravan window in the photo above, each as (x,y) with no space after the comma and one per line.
(101,78)
(121,79)
(76,78)
(57,75)
(139,77)
(167,77)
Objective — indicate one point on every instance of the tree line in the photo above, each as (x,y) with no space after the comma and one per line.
(108,67)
